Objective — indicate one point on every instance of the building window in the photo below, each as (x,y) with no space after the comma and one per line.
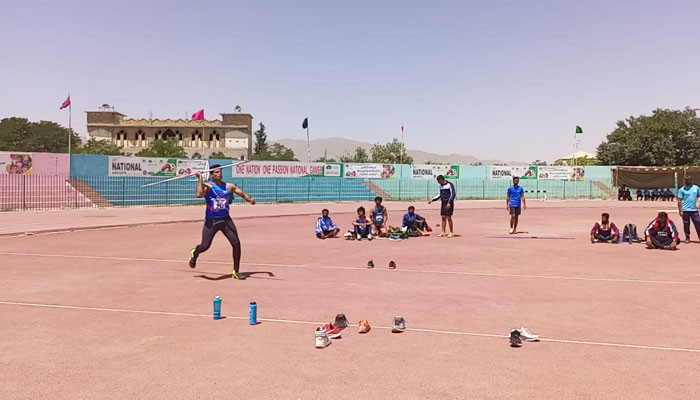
(158,135)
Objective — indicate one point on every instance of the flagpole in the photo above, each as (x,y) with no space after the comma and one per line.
(70,133)
(308,142)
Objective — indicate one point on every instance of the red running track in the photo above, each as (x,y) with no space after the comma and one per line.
(118,314)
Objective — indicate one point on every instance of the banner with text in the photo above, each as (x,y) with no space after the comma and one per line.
(15,164)
(429,171)
(288,169)
(134,166)
(186,167)
(376,171)
(506,172)
(560,172)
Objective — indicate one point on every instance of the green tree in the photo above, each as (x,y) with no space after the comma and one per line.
(390,153)
(220,155)
(238,108)
(666,138)
(278,152)
(19,134)
(100,147)
(164,148)
(360,156)
(260,149)
(539,162)
(324,159)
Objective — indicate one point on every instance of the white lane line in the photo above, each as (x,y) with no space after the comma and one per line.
(467,273)
(292,321)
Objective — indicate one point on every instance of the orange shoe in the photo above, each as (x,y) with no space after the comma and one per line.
(363,326)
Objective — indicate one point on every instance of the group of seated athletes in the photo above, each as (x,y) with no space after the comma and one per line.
(625,194)
(661,233)
(376,225)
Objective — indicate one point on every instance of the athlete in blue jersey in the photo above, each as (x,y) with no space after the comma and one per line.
(380,216)
(515,203)
(216,195)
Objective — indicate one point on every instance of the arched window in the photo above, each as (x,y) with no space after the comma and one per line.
(158,135)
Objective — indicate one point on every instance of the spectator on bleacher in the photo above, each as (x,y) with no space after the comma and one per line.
(688,206)
(605,231)
(640,194)
(662,233)
(647,195)
(325,228)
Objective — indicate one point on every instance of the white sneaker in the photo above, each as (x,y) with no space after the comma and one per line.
(322,339)
(512,231)
(527,335)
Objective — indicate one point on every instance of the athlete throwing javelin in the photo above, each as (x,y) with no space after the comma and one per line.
(216,195)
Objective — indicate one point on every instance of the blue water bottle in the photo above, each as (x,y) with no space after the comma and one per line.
(253,313)
(217,307)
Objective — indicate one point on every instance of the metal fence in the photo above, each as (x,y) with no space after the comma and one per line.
(34,192)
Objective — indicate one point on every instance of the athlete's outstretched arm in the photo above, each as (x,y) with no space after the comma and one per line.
(245,196)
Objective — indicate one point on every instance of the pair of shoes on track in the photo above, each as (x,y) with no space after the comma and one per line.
(370,264)
(448,235)
(324,334)
(518,334)
(193,263)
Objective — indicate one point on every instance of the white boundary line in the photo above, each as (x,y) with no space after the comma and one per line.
(291,321)
(467,273)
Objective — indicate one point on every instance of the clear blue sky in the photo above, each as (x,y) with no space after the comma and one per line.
(495,79)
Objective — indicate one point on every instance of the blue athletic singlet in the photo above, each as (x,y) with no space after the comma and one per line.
(379,215)
(217,201)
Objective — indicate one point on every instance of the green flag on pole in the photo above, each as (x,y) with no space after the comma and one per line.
(578,129)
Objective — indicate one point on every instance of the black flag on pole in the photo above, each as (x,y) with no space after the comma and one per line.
(305,124)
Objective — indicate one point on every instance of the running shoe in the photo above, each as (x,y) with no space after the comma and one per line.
(451,235)
(340,321)
(332,331)
(394,237)
(515,338)
(193,259)
(512,231)
(399,324)
(392,265)
(687,240)
(237,275)
(527,335)
(363,326)
(442,234)
(370,264)
(322,339)
(370,237)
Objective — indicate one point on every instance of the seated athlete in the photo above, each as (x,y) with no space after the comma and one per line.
(325,227)
(413,222)
(605,231)
(379,216)
(640,195)
(669,195)
(362,227)
(662,233)
(647,195)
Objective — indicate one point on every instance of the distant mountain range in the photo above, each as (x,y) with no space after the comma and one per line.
(336,147)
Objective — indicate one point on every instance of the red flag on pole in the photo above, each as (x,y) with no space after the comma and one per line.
(198,116)
(401,128)
(65,103)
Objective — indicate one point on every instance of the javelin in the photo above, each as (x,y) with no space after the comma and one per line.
(192,174)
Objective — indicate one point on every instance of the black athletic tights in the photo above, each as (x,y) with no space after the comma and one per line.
(225,225)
